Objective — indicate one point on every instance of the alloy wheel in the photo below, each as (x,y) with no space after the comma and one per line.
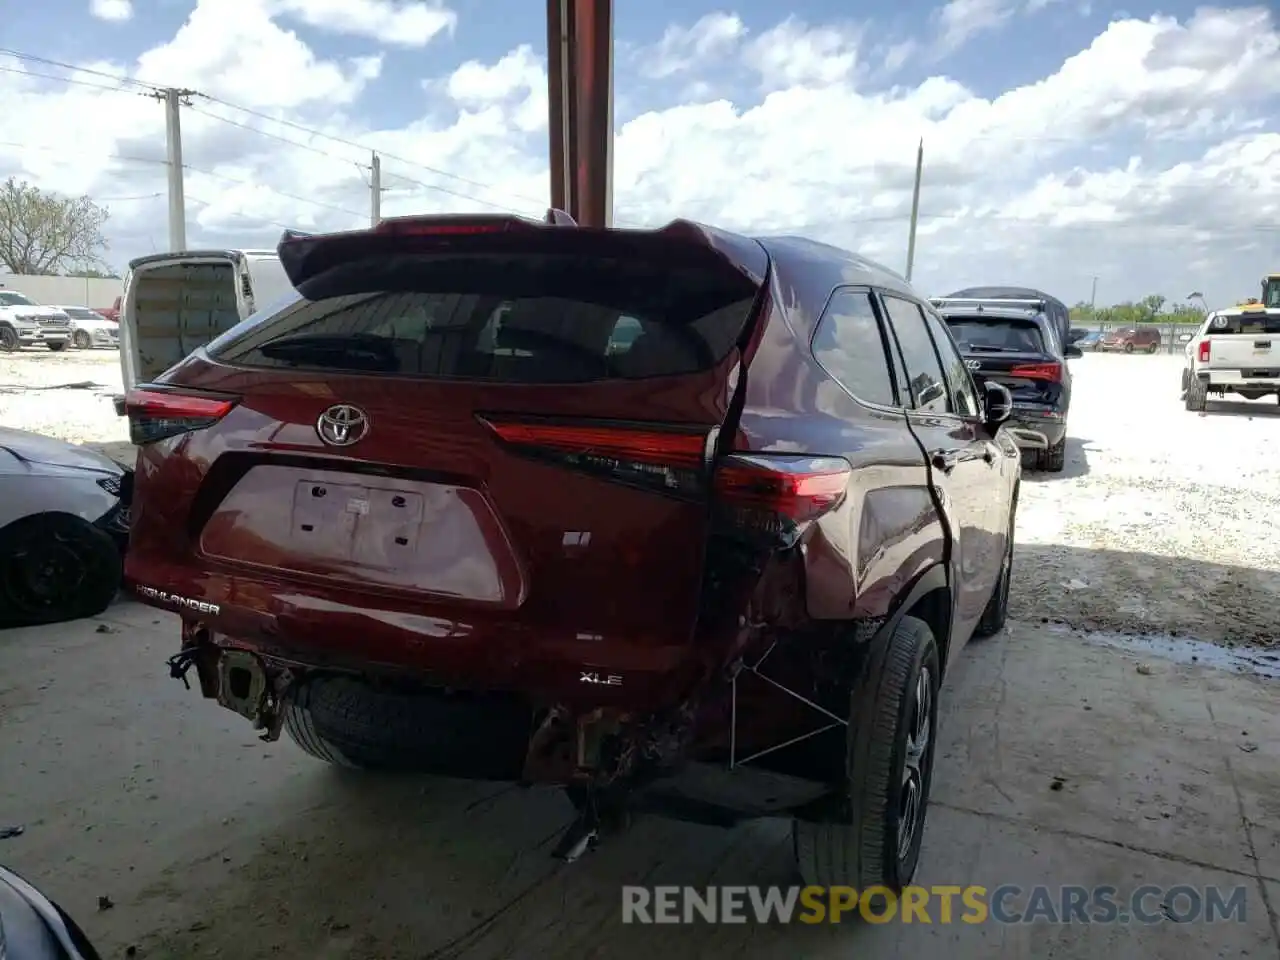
(915,766)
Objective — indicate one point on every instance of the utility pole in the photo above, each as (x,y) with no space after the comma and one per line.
(915,210)
(1093,296)
(375,191)
(173,99)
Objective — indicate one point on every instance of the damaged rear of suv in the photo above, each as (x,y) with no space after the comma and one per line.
(677,519)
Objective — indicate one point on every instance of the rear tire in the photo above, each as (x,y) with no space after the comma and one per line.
(997,610)
(1155,348)
(1186,378)
(56,567)
(349,723)
(82,340)
(9,341)
(57,347)
(893,728)
(1197,398)
(1128,348)
(1055,458)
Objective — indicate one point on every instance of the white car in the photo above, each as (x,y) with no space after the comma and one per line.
(64,526)
(1236,350)
(25,323)
(91,329)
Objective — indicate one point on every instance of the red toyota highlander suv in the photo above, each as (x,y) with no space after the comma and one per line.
(681,520)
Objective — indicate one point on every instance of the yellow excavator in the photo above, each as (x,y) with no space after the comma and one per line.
(1270,299)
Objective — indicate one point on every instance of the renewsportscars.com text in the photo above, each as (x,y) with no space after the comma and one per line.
(1006,904)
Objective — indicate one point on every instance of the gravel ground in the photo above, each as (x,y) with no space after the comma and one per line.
(1155,527)
(1164,520)
(36,394)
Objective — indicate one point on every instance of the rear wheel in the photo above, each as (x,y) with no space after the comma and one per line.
(81,340)
(1128,348)
(57,347)
(56,567)
(1055,458)
(997,611)
(1153,348)
(892,729)
(1186,376)
(9,341)
(1197,398)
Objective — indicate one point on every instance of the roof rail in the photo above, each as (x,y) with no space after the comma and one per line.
(1040,305)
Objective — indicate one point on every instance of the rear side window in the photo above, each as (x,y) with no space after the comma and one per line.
(850,346)
(996,336)
(526,319)
(1244,324)
(924,370)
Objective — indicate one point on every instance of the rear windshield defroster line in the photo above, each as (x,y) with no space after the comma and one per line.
(507,319)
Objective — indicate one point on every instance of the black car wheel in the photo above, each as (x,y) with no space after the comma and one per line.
(57,347)
(1128,348)
(1197,398)
(1055,458)
(56,567)
(997,610)
(9,341)
(893,726)
(82,340)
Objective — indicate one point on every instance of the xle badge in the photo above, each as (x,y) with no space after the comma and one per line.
(608,680)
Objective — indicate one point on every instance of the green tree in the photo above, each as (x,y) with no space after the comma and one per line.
(42,233)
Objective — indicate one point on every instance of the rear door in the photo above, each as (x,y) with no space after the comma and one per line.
(961,460)
(508,432)
(1245,342)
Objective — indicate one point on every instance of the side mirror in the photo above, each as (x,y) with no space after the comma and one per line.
(934,391)
(998,403)
(1077,333)
(1072,352)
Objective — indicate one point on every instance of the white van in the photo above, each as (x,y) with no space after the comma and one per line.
(176,302)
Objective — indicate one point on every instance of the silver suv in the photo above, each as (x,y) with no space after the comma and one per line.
(25,323)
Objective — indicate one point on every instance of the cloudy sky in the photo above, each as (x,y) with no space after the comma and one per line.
(1064,139)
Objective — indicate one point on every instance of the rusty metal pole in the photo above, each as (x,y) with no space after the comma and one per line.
(580,115)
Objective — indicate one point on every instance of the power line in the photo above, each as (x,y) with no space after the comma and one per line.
(277,137)
(119,78)
(50,76)
(62,150)
(263,186)
(302,128)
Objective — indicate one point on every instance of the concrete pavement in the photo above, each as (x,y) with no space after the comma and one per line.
(210,843)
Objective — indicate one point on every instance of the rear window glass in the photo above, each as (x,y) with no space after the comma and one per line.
(1245,324)
(1001,335)
(511,320)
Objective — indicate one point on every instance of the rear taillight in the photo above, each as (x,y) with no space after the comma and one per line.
(671,460)
(1038,371)
(776,496)
(156,415)
(1202,351)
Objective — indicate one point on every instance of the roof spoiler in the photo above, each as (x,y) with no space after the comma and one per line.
(980,302)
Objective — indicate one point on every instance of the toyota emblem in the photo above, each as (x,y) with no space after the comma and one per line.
(973,364)
(342,425)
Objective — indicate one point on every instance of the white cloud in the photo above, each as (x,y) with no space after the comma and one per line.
(959,21)
(686,48)
(794,54)
(1151,157)
(115,11)
(402,23)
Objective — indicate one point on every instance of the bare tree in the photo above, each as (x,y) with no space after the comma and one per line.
(44,232)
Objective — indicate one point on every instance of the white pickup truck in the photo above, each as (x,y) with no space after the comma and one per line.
(25,323)
(174,303)
(1236,350)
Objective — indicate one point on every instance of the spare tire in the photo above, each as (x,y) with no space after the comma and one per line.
(350,722)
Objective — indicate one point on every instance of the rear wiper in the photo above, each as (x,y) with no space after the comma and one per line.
(349,351)
(988,348)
